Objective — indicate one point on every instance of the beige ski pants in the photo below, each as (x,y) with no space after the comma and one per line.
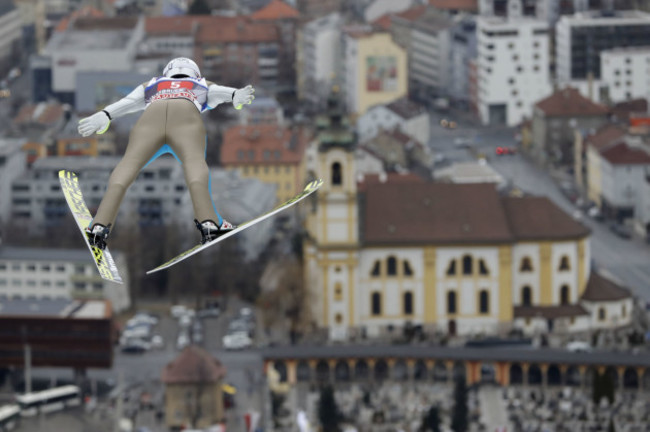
(177,123)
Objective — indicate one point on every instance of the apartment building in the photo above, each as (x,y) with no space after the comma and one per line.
(463,50)
(512,68)
(10,36)
(13,163)
(49,273)
(625,73)
(319,57)
(375,69)
(581,39)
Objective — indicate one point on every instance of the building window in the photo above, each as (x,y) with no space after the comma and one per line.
(536,68)
(31,267)
(565,297)
(482,268)
(511,81)
(408,303)
(451,302)
(526,296)
(451,270)
(338,291)
(520,69)
(79,269)
(391,266)
(407,269)
(515,57)
(564,263)
(98,286)
(375,302)
(602,315)
(45,267)
(526,265)
(623,312)
(376,269)
(337,176)
(338,318)
(467,265)
(484,302)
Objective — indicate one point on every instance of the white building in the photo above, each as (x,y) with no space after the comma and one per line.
(59,273)
(624,168)
(98,44)
(409,117)
(429,56)
(377,8)
(582,37)
(319,57)
(463,51)
(513,68)
(13,162)
(625,72)
(470,172)
(11,33)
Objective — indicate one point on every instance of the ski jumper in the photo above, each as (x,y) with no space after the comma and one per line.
(171,123)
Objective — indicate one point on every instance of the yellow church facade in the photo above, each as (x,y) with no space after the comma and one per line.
(453,258)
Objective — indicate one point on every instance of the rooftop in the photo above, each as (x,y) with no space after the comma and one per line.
(601,288)
(461,5)
(263,144)
(623,153)
(469,172)
(276,9)
(604,136)
(193,365)
(83,12)
(549,312)
(61,308)
(406,108)
(599,17)
(450,213)
(569,102)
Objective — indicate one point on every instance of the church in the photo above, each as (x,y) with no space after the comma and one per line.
(458,259)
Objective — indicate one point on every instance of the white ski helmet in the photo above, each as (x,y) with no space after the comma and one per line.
(182,66)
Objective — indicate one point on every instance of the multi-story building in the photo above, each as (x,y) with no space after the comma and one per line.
(625,72)
(410,118)
(582,37)
(463,50)
(555,120)
(375,69)
(92,44)
(311,9)
(285,18)
(381,253)
(11,36)
(587,153)
(13,163)
(429,57)
(48,273)
(319,57)
(512,68)
(270,153)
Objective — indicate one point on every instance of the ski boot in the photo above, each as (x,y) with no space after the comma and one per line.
(97,235)
(210,230)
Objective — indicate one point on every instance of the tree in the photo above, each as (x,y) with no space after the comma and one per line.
(328,411)
(459,420)
(431,420)
(199,7)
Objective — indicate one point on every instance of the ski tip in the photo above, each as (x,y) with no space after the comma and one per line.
(313,185)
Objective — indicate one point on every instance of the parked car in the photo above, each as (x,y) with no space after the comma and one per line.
(620,230)
(209,312)
(237,340)
(178,310)
(185,321)
(245,312)
(157,342)
(183,340)
(135,346)
(595,214)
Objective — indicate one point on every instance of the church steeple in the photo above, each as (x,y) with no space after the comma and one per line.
(333,127)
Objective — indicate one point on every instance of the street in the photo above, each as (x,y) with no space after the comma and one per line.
(625,259)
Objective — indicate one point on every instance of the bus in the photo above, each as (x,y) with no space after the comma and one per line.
(49,400)
(9,417)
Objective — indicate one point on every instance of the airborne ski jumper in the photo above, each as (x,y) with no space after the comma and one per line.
(171,123)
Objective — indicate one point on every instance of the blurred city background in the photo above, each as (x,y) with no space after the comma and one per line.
(478,258)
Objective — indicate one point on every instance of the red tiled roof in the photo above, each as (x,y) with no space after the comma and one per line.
(406,108)
(42,112)
(604,136)
(569,102)
(599,288)
(466,5)
(175,25)
(537,218)
(624,110)
(276,9)
(193,365)
(624,154)
(382,23)
(85,11)
(413,13)
(237,29)
(424,213)
(263,144)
